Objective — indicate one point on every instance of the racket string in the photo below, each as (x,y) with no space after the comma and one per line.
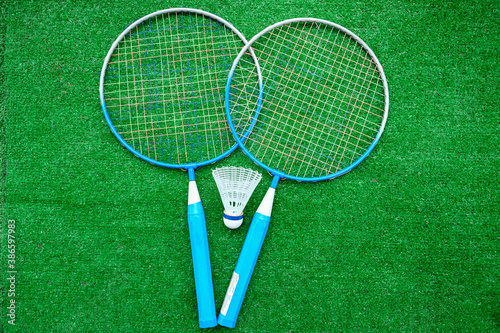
(287,121)
(321,84)
(350,65)
(281,46)
(308,125)
(321,120)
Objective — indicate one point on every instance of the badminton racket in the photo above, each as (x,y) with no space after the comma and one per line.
(162,93)
(322,110)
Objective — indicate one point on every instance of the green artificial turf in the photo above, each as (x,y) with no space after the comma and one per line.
(406,242)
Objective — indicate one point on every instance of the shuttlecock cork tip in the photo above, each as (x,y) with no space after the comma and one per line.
(232,221)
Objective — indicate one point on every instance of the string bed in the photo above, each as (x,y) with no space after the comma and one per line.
(323,101)
(164,87)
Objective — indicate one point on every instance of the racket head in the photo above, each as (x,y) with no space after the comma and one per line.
(162,87)
(348,81)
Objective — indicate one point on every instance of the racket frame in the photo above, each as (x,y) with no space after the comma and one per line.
(193,165)
(241,140)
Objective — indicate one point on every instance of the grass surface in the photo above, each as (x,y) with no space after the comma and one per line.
(406,242)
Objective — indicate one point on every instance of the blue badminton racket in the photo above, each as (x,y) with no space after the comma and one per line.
(162,93)
(322,110)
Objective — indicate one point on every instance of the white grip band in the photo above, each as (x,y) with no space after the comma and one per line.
(229,293)
(194,195)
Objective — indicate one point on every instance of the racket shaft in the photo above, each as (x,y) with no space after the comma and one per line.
(201,259)
(246,262)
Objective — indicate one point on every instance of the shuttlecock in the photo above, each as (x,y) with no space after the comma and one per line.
(236,186)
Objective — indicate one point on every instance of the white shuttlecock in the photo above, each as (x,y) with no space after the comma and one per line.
(236,186)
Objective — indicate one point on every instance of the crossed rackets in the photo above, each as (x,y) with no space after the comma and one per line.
(305,99)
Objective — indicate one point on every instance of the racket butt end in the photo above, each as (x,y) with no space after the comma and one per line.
(208,323)
(224,321)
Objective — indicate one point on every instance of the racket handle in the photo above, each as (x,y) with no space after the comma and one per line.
(201,259)
(246,262)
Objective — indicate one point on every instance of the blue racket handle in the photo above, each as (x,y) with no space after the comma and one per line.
(201,260)
(244,269)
